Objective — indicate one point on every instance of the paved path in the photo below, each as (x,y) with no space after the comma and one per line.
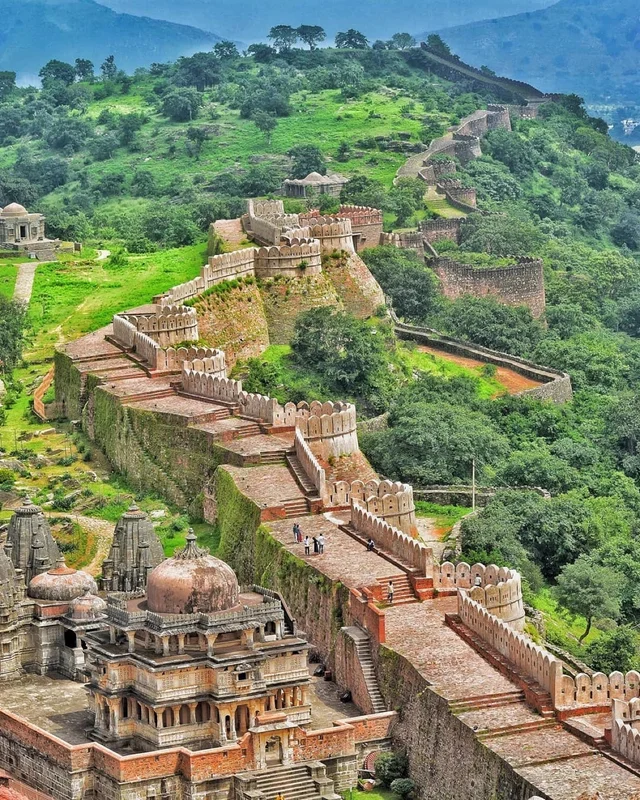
(24,281)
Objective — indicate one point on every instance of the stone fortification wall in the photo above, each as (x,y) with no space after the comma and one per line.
(408,240)
(461,197)
(527,656)
(169,325)
(310,464)
(393,502)
(366,224)
(466,148)
(625,729)
(330,428)
(595,691)
(433,230)
(229,266)
(333,233)
(214,363)
(498,589)
(519,285)
(293,260)
(265,208)
(555,385)
(392,540)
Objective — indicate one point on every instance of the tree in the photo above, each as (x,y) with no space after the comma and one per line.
(182,105)
(306,158)
(390,767)
(109,69)
(144,184)
(413,288)
(262,53)
(57,71)
(266,123)
(589,590)
(84,69)
(283,37)
(225,50)
(437,45)
(351,40)
(311,35)
(626,231)
(196,138)
(403,41)
(200,70)
(13,319)
(7,83)
(615,650)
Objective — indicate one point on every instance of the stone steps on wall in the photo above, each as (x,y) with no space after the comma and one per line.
(296,507)
(273,457)
(302,479)
(509,730)
(403,590)
(486,701)
(535,695)
(248,430)
(362,644)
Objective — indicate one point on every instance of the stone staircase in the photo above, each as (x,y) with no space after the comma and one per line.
(509,730)
(248,430)
(478,702)
(295,782)
(362,644)
(296,507)
(273,457)
(535,695)
(403,590)
(300,475)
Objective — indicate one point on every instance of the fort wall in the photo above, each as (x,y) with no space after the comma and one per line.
(434,230)
(294,260)
(625,729)
(169,325)
(408,240)
(309,463)
(366,224)
(461,197)
(330,428)
(392,540)
(522,284)
(393,502)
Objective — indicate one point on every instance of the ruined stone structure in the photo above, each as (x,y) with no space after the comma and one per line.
(22,231)
(520,285)
(134,553)
(314,185)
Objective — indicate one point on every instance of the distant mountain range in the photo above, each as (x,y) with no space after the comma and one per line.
(251,20)
(591,47)
(34,31)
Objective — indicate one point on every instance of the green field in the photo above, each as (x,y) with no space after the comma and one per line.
(8,272)
(488,387)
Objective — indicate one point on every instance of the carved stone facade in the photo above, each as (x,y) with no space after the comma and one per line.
(135,551)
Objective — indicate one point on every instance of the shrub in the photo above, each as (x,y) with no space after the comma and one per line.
(404,787)
(390,767)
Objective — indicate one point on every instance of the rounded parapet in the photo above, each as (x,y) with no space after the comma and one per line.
(392,501)
(498,589)
(329,427)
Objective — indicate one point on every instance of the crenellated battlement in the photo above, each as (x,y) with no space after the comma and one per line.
(167,325)
(498,589)
(392,501)
(300,257)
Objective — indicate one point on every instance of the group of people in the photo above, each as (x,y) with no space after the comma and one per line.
(317,541)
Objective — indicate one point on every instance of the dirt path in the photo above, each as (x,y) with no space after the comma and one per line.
(512,381)
(103,532)
(24,281)
(103,255)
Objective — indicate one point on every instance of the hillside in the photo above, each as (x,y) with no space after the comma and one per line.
(372,17)
(35,31)
(589,47)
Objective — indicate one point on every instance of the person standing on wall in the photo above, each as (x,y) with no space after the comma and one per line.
(307,545)
(321,544)
(390,593)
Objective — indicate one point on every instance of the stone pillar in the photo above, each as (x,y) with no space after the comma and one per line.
(248,638)
(165,645)
(181,637)
(112,634)
(232,718)
(158,645)
(192,713)
(131,636)
(211,640)
(176,715)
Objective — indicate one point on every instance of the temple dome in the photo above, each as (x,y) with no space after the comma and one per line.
(61,584)
(87,607)
(192,582)
(315,177)
(14,208)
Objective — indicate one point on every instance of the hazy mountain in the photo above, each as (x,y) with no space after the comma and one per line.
(586,46)
(251,20)
(35,31)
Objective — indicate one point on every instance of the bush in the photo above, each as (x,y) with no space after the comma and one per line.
(404,787)
(390,767)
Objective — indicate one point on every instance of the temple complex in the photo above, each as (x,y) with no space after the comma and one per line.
(24,231)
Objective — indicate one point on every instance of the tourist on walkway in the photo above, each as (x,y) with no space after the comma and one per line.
(315,545)
(371,545)
(321,544)
(307,545)
(297,533)
(390,591)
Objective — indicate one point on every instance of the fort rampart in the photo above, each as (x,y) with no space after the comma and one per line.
(555,385)
(392,501)
(434,230)
(392,540)
(168,325)
(459,196)
(518,285)
(407,240)
(625,729)
(330,428)
(309,463)
(498,589)
(366,224)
